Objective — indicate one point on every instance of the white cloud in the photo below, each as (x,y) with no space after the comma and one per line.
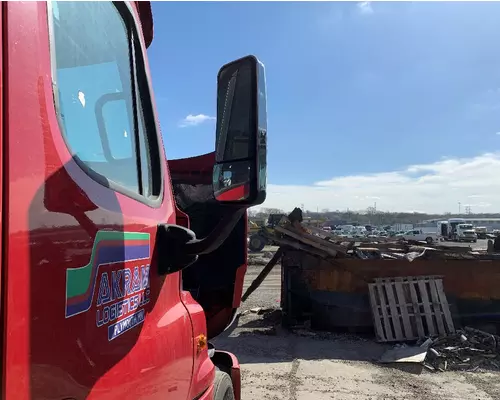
(365,7)
(435,187)
(194,120)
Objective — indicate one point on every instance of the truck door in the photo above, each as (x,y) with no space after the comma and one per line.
(87,314)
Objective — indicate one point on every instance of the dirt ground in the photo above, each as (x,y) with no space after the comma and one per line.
(279,365)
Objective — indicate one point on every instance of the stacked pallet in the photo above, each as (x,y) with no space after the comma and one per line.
(409,308)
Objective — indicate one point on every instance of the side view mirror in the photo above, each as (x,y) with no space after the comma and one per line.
(239,174)
(240,170)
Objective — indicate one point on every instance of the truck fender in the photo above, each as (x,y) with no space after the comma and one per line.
(227,362)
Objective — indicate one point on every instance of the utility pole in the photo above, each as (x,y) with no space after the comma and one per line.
(459,208)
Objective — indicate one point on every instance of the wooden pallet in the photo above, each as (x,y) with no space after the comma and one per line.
(409,308)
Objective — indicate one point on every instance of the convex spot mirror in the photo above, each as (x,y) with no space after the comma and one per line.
(240,170)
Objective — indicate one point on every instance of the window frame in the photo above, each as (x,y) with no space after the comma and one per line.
(142,102)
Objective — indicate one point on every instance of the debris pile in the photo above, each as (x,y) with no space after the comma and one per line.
(260,258)
(291,233)
(466,350)
(325,281)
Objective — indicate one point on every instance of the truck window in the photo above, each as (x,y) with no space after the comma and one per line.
(96,93)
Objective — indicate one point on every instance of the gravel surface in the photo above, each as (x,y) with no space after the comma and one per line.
(481,244)
(277,364)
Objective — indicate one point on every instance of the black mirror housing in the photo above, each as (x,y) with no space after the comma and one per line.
(240,170)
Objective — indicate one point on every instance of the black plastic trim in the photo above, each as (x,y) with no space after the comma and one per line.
(219,234)
(170,244)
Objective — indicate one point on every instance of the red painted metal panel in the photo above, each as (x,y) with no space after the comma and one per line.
(3,193)
(235,193)
(46,353)
(235,373)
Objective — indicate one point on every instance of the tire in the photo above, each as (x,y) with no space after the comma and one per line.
(223,386)
(428,240)
(257,243)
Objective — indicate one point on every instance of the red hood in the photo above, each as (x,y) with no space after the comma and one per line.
(194,169)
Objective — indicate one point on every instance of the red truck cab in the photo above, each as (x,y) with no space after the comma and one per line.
(117,266)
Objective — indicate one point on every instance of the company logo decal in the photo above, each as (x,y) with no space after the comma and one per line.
(114,284)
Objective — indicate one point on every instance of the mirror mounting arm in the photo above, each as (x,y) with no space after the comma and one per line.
(218,235)
(178,248)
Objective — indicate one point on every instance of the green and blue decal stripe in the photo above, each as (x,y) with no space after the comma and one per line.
(109,247)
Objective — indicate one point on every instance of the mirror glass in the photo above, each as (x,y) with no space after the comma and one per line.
(262,128)
(233,181)
(241,139)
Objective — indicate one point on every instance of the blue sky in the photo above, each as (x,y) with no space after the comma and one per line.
(397,103)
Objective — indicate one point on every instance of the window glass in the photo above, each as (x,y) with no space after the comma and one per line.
(95,92)
(118,129)
(145,155)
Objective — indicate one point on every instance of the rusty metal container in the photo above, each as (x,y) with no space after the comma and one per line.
(334,294)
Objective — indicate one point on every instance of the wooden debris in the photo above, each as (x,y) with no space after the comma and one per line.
(466,350)
(409,308)
(295,219)
(311,240)
(260,278)
(290,232)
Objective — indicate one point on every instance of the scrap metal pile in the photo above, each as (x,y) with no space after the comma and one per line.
(467,350)
(327,285)
(291,233)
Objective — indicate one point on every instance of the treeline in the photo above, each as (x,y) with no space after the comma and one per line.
(371,216)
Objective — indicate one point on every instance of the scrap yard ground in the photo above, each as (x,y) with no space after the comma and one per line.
(279,365)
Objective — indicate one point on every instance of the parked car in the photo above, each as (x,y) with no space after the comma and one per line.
(419,235)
